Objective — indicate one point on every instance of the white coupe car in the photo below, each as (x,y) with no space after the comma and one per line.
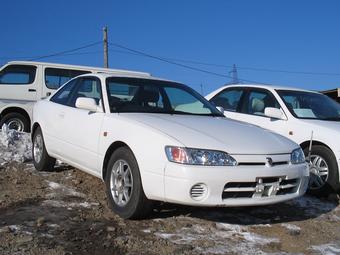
(156,140)
(294,113)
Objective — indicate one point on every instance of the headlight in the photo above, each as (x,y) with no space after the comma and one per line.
(202,157)
(297,156)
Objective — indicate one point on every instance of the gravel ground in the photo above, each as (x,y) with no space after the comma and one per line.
(66,212)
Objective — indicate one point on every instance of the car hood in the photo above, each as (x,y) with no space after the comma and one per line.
(216,133)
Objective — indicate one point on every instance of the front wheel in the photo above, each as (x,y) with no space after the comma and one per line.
(41,160)
(324,174)
(124,187)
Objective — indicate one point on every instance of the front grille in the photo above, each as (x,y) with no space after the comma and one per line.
(251,163)
(280,163)
(263,187)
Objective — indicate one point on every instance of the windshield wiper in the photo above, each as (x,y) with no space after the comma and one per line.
(190,113)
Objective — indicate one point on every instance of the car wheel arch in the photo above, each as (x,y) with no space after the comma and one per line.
(34,128)
(112,148)
(305,144)
(15,109)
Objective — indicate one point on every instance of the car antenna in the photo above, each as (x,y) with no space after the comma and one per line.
(310,148)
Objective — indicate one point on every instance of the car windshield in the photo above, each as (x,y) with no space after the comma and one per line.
(309,105)
(154,96)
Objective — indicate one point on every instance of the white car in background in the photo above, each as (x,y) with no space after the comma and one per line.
(293,113)
(156,140)
(22,83)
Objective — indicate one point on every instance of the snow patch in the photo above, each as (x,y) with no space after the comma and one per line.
(327,249)
(291,227)
(62,190)
(68,205)
(223,239)
(14,146)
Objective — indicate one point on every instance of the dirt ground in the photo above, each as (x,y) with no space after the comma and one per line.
(66,212)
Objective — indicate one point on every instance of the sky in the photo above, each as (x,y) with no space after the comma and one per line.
(295,36)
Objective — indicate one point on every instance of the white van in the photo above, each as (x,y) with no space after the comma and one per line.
(294,113)
(24,82)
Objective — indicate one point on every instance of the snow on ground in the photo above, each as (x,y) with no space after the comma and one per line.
(59,190)
(14,146)
(227,238)
(327,249)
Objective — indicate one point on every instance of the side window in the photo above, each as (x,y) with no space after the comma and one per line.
(229,99)
(64,94)
(18,74)
(55,77)
(87,87)
(257,101)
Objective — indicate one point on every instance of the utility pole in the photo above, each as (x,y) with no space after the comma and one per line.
(106,51)
(234,75)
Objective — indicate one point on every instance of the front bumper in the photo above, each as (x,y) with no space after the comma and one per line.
(234,186)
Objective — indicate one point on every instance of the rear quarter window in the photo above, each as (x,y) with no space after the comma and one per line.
(18,74)
(55,77)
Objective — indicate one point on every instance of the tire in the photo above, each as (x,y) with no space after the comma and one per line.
(322,158)
(16,121)
(41,160)
(124,186)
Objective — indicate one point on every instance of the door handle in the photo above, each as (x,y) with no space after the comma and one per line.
(32,90)
(48,94)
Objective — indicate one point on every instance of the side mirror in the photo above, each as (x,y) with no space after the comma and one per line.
(87,104)
(220,108)
(274,113)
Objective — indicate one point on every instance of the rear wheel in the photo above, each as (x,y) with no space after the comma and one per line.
(16,121)
(41,160)
(324,174)
(124,187)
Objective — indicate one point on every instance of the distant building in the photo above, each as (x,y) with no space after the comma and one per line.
(333,93)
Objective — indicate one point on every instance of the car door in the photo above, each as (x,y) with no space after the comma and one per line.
(54,119)
(81,129)
(252,110)
(247,104)
(230,100)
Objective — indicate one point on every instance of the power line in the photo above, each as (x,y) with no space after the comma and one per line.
(138,53)
(141,53)
(168,61)
(242,67)
(65,51)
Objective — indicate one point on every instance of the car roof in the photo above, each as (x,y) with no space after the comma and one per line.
(269,87)
(91,68)
(125,75)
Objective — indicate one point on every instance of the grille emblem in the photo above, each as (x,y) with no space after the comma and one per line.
(269,161)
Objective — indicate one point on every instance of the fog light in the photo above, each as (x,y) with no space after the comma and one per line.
(198,191)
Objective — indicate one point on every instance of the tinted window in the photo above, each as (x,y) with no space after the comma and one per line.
(18,74)
(228,99)
(64,94)
(257,100)
(55,77)
(143,95)
(87,87)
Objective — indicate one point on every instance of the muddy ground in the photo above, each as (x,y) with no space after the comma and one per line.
(66,212)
